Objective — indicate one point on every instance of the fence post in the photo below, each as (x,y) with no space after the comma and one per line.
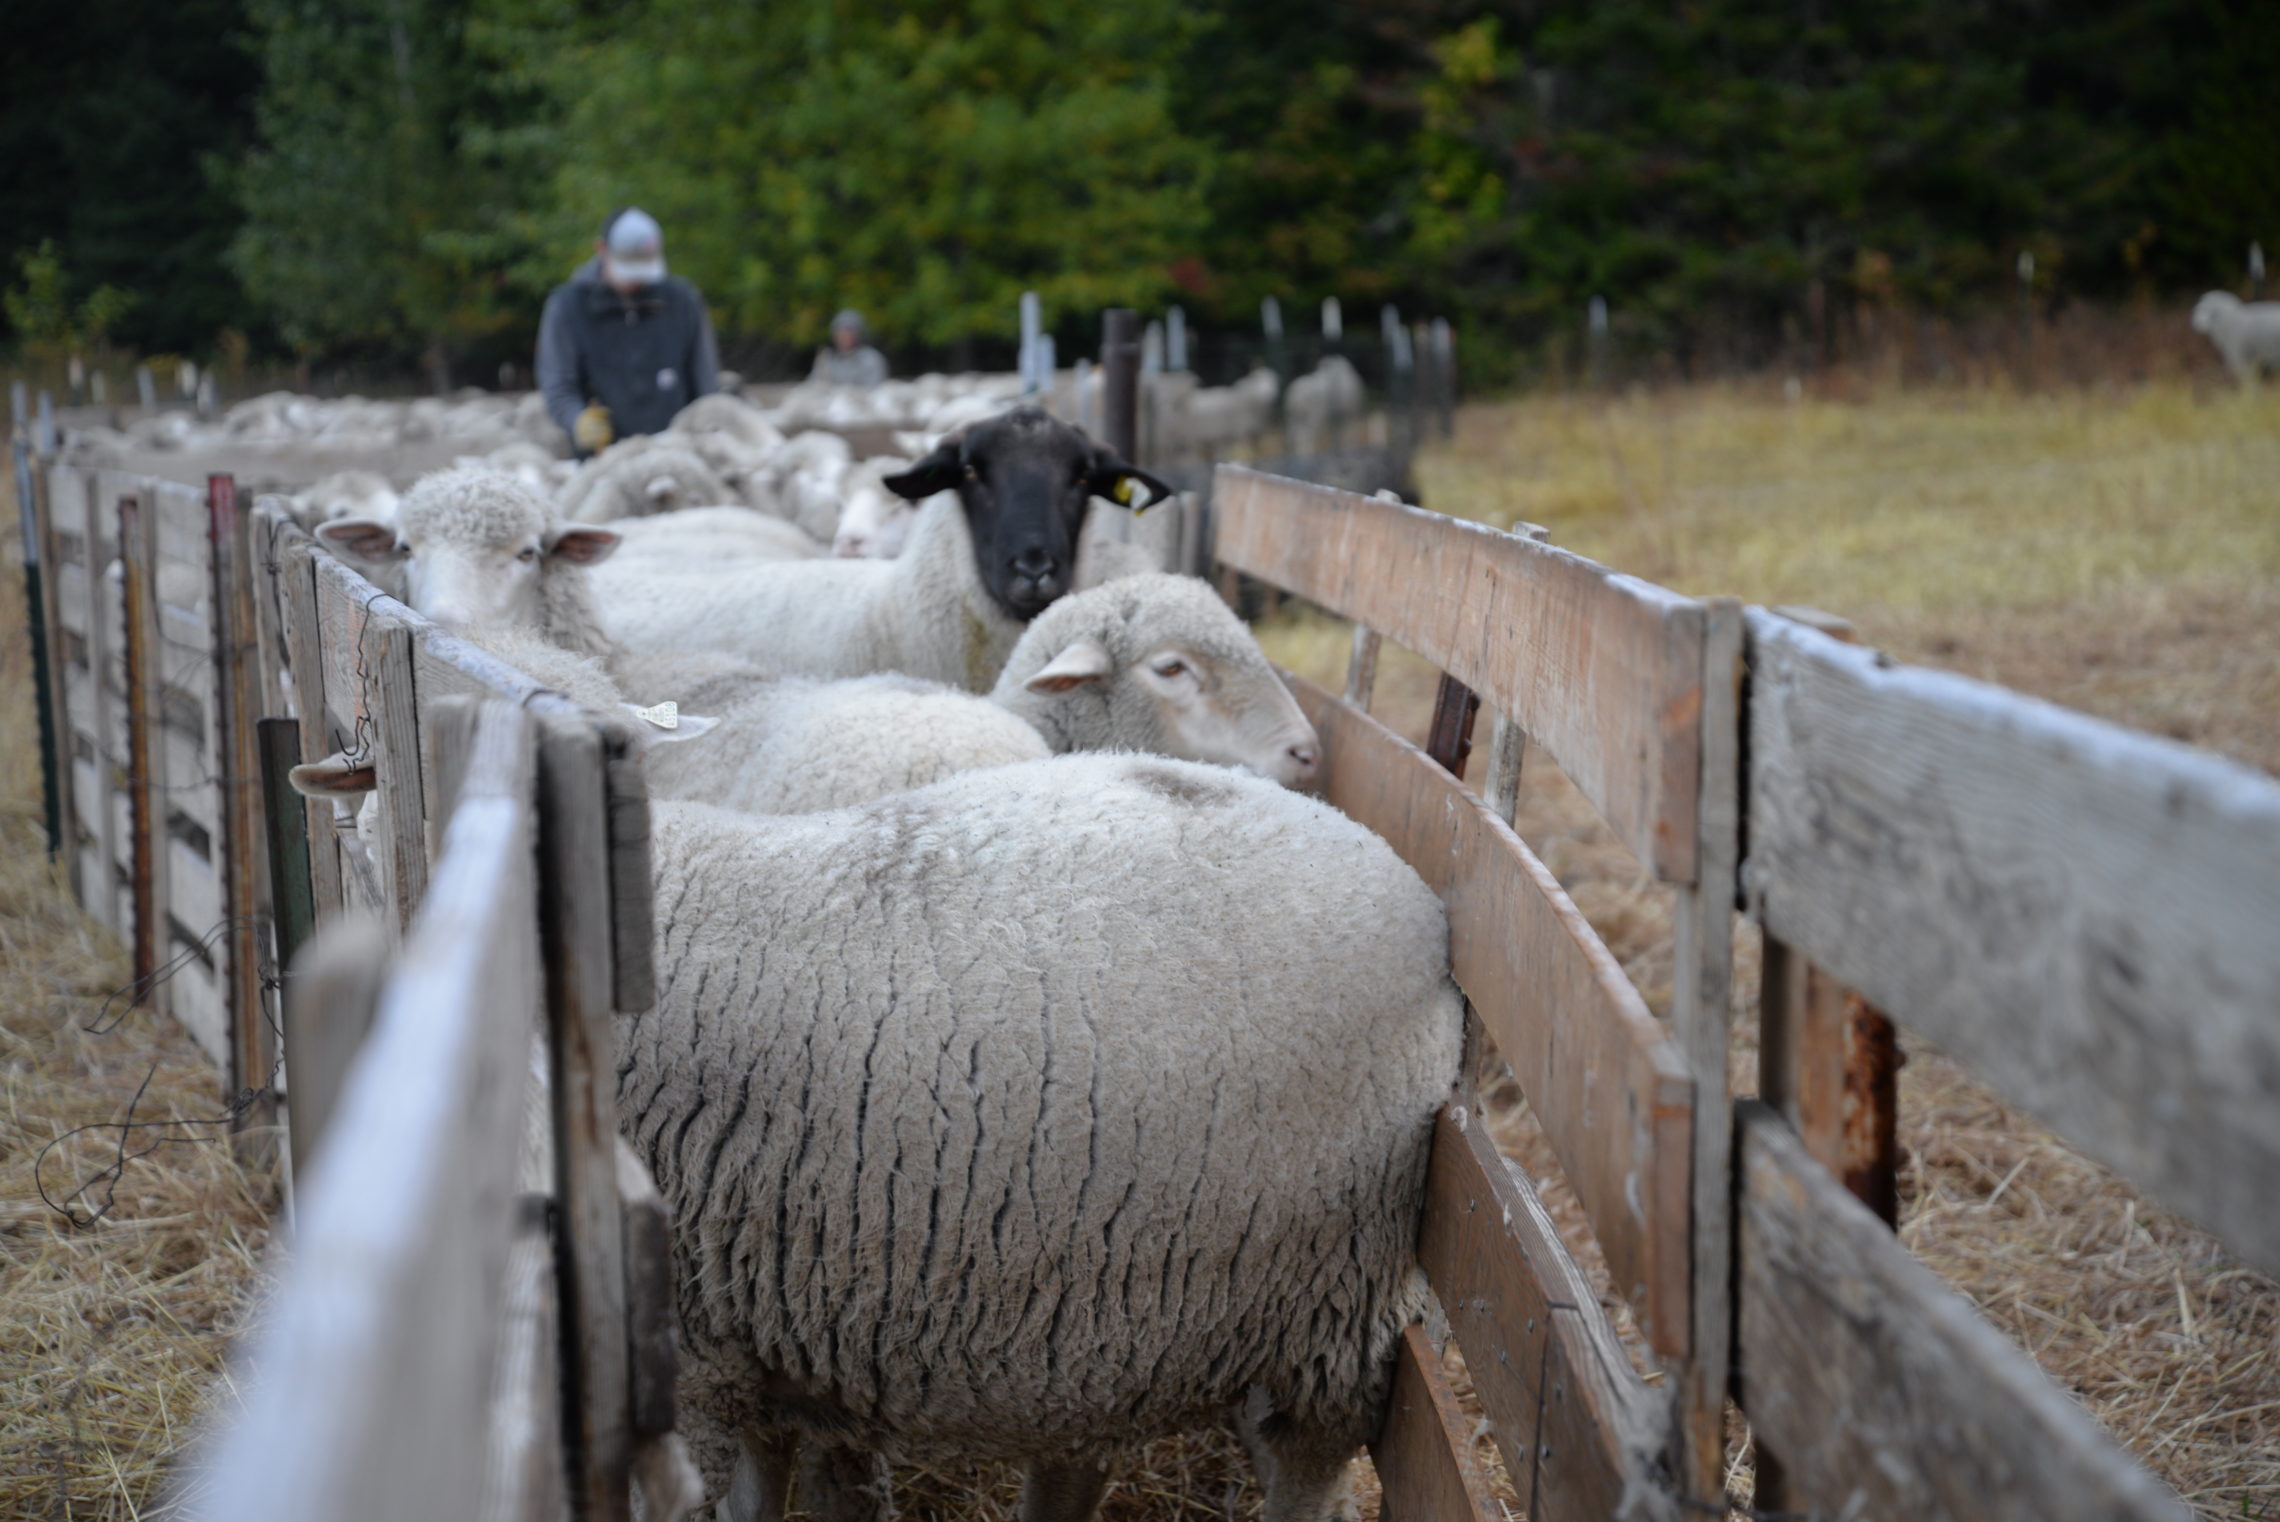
(253,1055)
(293,902)
(1120,381)
(138,557)
(38,567)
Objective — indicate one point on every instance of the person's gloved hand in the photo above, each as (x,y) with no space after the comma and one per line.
(592,431)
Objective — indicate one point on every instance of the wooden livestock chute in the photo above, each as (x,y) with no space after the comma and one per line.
(2083,916)
(2079,913)
(478,1319)
(1630,689)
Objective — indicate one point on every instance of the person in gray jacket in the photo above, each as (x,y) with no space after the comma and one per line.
(622,345)
(849,361)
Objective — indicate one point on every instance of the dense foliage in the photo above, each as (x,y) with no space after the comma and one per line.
(399,176)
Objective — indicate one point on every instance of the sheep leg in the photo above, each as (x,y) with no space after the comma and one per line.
(845,1484)
(1064,1492)
(1303,1470)
(760,1478)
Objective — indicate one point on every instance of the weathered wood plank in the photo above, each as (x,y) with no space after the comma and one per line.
(524,1483)
(1423,1455)
(243,859)
(1883,1393)
(377,1362)
(1701,977)
(1603,670)
(304,638)
(652,1355)
(102,633)
(574,917)
(58,716)
(2081,914)
(332,994)
(1603,1076)
(196,1001)
(1567,1409)
(146,777)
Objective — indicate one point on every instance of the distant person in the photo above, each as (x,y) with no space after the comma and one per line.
(623,346)
(849,361)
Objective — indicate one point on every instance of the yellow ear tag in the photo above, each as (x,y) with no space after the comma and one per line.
(666,715)
(1128,487)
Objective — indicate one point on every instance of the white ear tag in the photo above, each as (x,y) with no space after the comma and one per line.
(665,715)
(1134,493)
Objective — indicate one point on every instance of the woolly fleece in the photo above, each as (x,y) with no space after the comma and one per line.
(1040,1112)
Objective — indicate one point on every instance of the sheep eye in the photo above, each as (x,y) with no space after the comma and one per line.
(973,474)
(1170,666)
(527,554)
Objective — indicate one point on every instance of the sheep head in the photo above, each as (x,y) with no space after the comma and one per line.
(1026,481)
(477,549)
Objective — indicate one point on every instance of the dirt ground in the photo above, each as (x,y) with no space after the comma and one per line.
(2116,550)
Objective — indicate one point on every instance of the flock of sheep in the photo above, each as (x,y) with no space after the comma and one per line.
(1034,1071)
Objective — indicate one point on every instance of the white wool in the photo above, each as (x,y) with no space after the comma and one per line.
(2246,333)
(638,477)
(874,523)
(925,614)
(1040,1113)
(708,538)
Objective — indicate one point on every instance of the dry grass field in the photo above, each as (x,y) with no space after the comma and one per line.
(2115,550)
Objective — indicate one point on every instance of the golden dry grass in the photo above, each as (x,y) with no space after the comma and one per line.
(112,1335)
(2115,550)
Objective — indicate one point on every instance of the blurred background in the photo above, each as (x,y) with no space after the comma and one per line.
(381,191)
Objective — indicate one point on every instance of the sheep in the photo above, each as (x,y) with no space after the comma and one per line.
(800,481)
(638,477)
(709,537)
(725,414)
(874,523)
(2246,333)
(1321,399)
(359,494)
(1034,1115)
(473,548)
(536,466)
(1155,664)
(978,564)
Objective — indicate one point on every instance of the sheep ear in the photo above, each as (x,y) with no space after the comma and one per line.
(939,470)
(584,546)
(362,537)
(1084,661)
(1124,483)
(334,777)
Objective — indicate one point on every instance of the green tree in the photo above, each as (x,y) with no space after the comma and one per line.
(926,163)
(373,214)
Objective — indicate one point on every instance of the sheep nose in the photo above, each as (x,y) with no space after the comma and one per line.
(851,547)
(1303,762)
(1036,564)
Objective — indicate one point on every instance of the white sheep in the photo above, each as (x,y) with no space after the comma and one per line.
(1034,1115)
(1154,664)
(1318,401)
(345,494)
(2246,333)
(949,608)
(638,477)
(874,523)
(473,548)
(709,538)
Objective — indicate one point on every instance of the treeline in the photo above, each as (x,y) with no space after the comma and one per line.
(397,178)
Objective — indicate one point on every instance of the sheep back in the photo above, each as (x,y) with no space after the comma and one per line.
(1041,1111)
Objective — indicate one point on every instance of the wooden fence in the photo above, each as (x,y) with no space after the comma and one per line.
(2076,912)
(2081,914)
